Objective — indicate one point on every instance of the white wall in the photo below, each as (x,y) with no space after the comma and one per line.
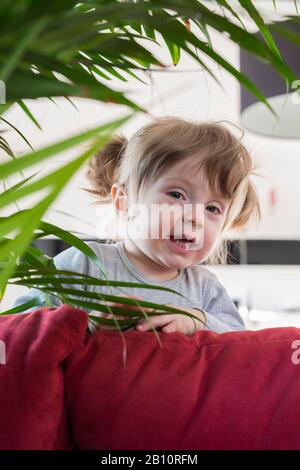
(269,296)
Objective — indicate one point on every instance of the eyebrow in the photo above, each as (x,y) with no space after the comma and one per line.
(182,180)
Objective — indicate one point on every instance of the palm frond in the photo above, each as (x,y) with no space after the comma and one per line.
(25,222)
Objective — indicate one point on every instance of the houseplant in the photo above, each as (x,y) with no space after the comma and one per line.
(61,49)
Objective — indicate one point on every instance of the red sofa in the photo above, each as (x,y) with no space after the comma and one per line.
(62,388)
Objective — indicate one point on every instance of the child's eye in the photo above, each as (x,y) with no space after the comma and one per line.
(176,194)
(212,209)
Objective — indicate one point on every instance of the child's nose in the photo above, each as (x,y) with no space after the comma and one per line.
(194,215)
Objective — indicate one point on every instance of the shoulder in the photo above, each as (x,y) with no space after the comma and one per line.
(74,257)
(206,280)
(101,247)
(97,247)
(202,273)
(104,251)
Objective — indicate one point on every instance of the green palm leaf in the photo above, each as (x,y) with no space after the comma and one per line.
(68,48)
(26,222)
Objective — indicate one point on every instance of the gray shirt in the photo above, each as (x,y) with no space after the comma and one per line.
(199,286)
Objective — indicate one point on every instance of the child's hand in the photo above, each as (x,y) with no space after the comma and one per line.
(172,323)
(99,326)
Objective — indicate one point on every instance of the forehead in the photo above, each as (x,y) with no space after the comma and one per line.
(188,173)
(187,168)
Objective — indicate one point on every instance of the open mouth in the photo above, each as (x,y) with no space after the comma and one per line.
(184,242)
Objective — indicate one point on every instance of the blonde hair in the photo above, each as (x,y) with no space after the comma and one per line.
(165,141)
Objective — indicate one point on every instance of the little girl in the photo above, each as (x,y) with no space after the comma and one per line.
(171,163)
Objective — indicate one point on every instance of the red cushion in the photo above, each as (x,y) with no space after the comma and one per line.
(33,348)
(237,390)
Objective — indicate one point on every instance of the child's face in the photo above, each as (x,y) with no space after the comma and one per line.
(199,212)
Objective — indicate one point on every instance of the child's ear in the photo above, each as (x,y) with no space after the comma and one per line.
(119,197)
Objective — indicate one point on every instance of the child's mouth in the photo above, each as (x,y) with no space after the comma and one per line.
(180,244)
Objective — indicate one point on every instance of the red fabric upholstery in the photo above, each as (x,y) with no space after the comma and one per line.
(237,390)
(33,347)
